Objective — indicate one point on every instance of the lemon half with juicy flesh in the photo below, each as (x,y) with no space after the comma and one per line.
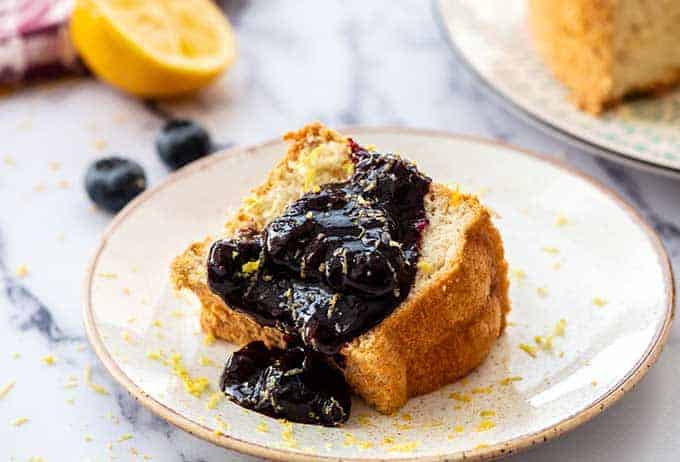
(153,48)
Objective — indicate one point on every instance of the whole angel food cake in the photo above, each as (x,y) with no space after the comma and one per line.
(603,50)
(348,270)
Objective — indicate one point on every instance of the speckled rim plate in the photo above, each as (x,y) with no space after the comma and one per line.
(536,114)
(429,140)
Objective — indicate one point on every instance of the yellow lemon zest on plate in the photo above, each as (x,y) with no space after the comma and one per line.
(18,422)
(194,385)
(460,397)
(599,301)
(4,391)
(508,380)
(528,349)
(561,220)
(95,387)
(48,360)
(560,328)
(214,400)
(205,361)
(485,425)
(518,274)
(22,271)
(208,339)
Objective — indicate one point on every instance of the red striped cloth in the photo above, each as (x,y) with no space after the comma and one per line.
(34,39)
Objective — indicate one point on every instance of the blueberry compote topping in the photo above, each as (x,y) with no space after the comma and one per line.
(333,265)
(295,383)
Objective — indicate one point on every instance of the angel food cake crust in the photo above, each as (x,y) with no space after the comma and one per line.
(443,329)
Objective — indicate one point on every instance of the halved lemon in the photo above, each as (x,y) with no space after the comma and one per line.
(153,48)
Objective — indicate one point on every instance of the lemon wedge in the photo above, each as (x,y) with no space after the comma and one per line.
(153,48)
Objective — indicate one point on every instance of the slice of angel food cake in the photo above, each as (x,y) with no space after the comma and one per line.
(348,270)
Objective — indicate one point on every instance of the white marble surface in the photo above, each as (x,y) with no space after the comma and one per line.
(342,62)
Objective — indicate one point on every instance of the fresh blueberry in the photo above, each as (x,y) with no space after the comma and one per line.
(182,141)
(112,182)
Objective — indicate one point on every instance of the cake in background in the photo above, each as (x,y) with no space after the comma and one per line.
(603,50)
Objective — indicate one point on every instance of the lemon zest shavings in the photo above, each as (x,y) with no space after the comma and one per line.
(528,349)
(4,391)
(94,386)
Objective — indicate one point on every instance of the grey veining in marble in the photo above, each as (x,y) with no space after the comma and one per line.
(342,62)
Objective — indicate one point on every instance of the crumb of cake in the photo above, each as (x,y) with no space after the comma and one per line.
(557,265)
(551,250)
(48,360)
(460,397)
(63,184)
(214,400)
(487,413)
(262,427)
(70,401)
(542,291)
(561,355)
(561,220)
(125,291)
(485,425)
(599,302)
(518,274)
(87,438)
(54,166)
(19,421)
(508,380)
(36,459)
(16,355)
(94,386)
(126,336)
(560,328)
(528,349)
(157,323)
(594,383)
(4,391)
(205,361)
(125,437)
(9,160)
(178,313)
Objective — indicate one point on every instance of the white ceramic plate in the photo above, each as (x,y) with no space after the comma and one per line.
(495,42)
(602,252)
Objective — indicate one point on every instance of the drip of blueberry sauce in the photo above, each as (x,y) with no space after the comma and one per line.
(334,264)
